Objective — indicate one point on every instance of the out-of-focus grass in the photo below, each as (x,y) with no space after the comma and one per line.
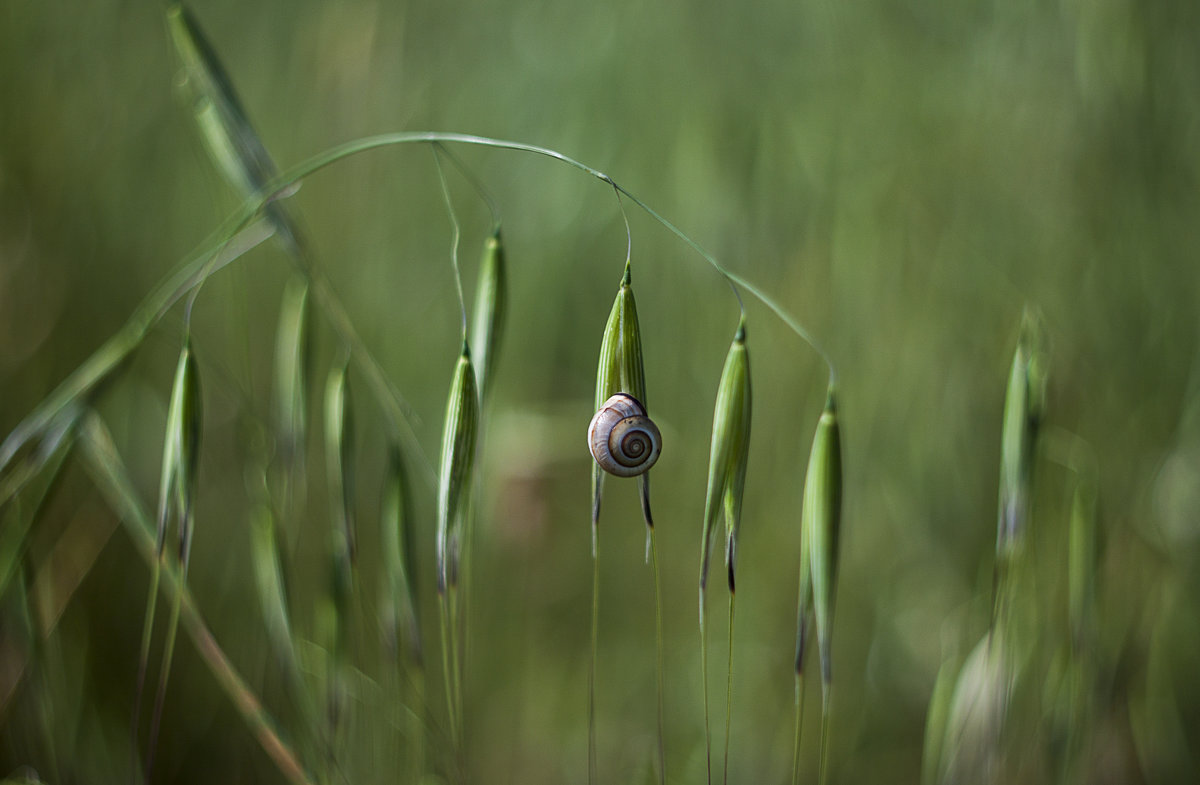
(903,178)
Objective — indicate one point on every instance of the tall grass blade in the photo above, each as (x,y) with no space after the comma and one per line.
(19,514)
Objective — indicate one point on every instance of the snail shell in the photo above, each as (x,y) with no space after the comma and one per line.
(622,438)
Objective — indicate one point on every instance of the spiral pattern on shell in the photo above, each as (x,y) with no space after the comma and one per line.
(622,438)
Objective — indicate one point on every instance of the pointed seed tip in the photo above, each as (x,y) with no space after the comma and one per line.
(627,276)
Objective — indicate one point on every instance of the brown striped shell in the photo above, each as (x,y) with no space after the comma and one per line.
(622,438)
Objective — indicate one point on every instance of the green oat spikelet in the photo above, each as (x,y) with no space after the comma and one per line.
(1024,405)
(232,142)
(821,521)
(491,303)
(291,372)
(339,452)
(456,467)
(727,456)
(820,518)
(621,369)
(402,630)
(181,449)
(726,484)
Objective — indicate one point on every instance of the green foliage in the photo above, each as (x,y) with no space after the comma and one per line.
(904,181)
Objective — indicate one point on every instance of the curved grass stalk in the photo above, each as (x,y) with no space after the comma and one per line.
(285,184)
(235,236)
(247,227)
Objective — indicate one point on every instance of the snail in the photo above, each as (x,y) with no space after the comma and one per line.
(622,438)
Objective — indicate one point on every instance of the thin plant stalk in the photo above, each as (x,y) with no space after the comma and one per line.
(444,624)
(800,683)
(728,691)
(704,681)
(144,659)
(660,667)
(826,703)
(592,767)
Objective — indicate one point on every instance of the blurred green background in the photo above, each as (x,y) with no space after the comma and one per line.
(903,177)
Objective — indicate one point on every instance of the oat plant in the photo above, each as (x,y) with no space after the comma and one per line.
(238,153)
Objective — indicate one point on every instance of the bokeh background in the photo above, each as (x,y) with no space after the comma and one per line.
(905,178)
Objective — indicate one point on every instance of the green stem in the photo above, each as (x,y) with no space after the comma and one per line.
(704,681)
(592,766)
(823,771)
(107,468)
(457,236)
(660,668)
(456,666)
(164,676)
(728,691)
(799,727)
(445,622)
